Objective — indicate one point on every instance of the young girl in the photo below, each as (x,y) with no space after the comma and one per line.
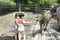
(21,28)
(16,26)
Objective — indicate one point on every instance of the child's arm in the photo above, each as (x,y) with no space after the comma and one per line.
(16,21)
(24,22)
(27,23)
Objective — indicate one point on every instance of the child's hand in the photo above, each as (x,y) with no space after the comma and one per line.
(28,24)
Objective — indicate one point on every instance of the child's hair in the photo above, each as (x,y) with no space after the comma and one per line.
(21,15)
(17,14)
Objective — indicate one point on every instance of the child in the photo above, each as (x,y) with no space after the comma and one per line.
(16,26)
(21,28)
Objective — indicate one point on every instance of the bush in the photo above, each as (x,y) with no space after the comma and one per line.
(6,5)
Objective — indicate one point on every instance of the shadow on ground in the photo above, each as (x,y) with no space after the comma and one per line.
(36,32)
(7,38)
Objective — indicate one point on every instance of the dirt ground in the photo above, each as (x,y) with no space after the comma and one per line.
(7,24)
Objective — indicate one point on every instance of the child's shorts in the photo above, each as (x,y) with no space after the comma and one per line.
(21,28)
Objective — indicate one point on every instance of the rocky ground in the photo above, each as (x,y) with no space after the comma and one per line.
(7,24)
(7,27)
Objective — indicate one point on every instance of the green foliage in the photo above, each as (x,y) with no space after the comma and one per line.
(32,3)
(28,8)
(58,1)
(43,3)
(7,3)
(15,1)
(48,2)
(20,1)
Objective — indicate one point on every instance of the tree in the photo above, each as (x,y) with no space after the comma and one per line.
(58,1)
(48,2)
(7,3)
(32,3)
